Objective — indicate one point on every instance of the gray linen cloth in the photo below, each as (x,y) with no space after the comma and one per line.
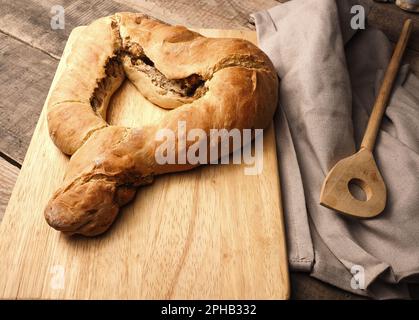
(330,75)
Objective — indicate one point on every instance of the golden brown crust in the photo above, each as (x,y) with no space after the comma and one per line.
(212,83)
(71,124)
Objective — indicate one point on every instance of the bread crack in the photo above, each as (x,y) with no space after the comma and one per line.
(239,60)
(131,54)
(192,86)
(114,74)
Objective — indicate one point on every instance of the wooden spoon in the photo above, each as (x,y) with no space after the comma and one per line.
(360,169)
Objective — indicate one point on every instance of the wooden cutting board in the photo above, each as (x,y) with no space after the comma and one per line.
(210,233)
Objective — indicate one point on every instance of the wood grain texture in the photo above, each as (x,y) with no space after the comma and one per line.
(29,20)
(383,96)
(8,176)
(360,170)
(209,233)
(25,75)
(389,18)
(29,48)
(221,14)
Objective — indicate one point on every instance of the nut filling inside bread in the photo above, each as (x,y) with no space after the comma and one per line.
(207,83)
(191,86)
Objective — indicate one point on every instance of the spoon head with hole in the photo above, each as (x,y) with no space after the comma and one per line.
(361,170)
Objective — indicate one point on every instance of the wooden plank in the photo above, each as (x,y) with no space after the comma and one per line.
(8,176)
(209,233)
(389,18)
(23,67)
(221,14)
(25,75)
(29,21)
(27,70)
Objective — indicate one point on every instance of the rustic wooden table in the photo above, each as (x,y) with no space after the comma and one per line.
(30,51)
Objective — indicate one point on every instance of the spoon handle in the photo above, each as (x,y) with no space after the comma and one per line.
(384,94)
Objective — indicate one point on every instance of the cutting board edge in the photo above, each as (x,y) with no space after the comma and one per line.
(286,285)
